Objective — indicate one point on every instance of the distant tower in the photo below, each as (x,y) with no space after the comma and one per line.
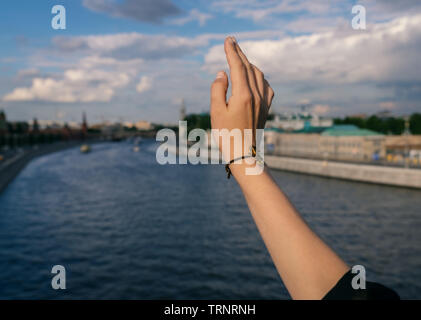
(182,110)
(3,122)
(407,131)
(35,125)
(84,124)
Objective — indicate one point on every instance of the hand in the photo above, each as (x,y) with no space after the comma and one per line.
(249,104)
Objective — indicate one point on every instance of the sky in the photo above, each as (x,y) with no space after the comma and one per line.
(130,60)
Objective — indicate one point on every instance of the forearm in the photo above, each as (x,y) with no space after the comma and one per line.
(307,266)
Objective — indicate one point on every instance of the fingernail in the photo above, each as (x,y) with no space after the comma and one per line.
(233,39)
(220,75)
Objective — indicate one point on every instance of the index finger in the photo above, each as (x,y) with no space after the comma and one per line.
(237,69)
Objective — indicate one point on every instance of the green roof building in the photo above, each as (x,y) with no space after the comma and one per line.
(349,130)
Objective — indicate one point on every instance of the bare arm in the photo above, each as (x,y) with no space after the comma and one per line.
(307,266)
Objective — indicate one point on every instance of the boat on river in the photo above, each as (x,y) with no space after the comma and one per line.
(85,148)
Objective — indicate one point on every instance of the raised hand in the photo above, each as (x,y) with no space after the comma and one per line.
(249,104)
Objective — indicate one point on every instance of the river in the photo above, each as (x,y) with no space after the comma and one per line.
(125,227)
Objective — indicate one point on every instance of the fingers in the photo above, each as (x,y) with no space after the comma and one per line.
(237,69)
(269,93)
(219,91)
(251,77)
(260,80)
(245,77)
(256,77)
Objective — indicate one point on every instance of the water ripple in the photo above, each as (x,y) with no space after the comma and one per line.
(127,228)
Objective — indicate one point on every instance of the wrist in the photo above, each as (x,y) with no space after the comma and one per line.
(246,168)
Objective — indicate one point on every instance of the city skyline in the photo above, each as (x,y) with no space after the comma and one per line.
(138,59)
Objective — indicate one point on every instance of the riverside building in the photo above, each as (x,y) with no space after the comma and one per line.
(344,143)
(339,142)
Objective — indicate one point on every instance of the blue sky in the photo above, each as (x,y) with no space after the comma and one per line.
(136,59)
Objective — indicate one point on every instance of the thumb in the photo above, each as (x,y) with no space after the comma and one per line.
(219,90)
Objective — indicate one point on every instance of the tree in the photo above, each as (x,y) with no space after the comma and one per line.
(198,121)
(415,123)
(389,125)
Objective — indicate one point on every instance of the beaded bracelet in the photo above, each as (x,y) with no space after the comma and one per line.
(251,155)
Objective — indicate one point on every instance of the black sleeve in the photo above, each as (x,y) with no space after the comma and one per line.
(374,291)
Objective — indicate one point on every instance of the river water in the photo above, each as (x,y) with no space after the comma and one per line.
(125,227)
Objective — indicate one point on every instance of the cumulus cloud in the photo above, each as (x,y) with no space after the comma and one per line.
(144,84)
(93,79)
(384,53)
(136,45)
(109,63)
(153,11)
(131,45)
(333,67)
(75,86)
(298,16)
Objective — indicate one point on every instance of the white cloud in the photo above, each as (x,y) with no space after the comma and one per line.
(332,66)
(93,79)
(313,15)
(387,52)
(108,63)
(74,87)
(132,45)
(144,84)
